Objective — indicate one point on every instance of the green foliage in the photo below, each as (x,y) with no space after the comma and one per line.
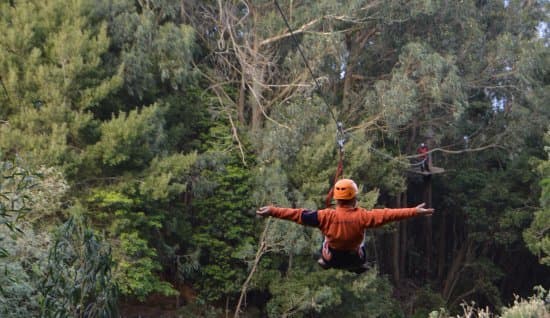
(270,185)
(195,310)
(493,217)
(374,171)
(425,84)
(533,307)
(78,281)
(331,293)
(425,300)
(537,236)
(22,270)
(167,178)
(137,264)
(317,162)
(155,52)
(49,198)
(102,98)
(131,140)
(53,77)
(222,211)
(16,185)
(492,213)
(308,152)
(187,120)
(303,118)
(296,298)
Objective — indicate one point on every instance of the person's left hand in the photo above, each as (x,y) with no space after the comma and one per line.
(264,211)
(423,211)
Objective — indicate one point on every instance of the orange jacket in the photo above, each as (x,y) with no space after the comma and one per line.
(343,227)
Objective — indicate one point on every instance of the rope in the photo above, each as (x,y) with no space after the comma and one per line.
(339,172)
(418,164)
(398,160)
(411,164)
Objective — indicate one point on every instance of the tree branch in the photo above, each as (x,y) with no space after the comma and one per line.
(454,152)
(5,89)
(462,296)
(287,34)
(263,111)
(236,136)
(262,249)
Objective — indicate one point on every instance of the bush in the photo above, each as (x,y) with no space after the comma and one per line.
(536,306)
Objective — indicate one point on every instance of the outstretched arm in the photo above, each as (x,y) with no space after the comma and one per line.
(378,217)
(281,213)
(420,210)
(264,211)
(300,216)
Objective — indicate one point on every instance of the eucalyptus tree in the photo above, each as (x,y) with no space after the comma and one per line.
(173,119)
(399,74)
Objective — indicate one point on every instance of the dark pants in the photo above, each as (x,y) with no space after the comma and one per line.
(425,165)
(354,261)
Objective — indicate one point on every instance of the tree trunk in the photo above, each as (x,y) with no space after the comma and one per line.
(411,146)
(257,74)
(454,271)
(395,249)
(262,248)
(403,228)
(395,257)
(442,246)
(355,45)
(348,72)
(242,99)
(255,101)
(428,225)
(182,11)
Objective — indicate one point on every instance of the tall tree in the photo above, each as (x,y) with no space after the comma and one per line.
(51,56)
(537,236)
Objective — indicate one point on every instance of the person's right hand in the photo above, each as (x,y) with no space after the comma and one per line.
(423,211)
(264,211)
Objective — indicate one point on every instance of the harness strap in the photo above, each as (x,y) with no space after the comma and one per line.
(336,258)
(339,172)
(340,140)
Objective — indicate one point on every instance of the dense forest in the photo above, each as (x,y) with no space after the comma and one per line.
(139,137)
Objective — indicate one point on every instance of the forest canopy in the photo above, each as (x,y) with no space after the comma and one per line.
(138,138)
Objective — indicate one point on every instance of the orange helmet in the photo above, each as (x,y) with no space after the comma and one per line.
(345,189)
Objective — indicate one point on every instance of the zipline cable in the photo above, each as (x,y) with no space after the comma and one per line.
(340,131)
(340,134)
(305,61)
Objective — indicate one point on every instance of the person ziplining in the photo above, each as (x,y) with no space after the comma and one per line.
(344,226)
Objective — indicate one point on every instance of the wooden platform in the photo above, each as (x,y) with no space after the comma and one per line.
(433,170)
